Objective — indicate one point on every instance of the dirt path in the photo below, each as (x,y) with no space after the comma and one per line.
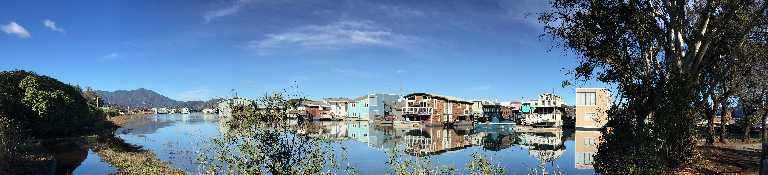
(731,158)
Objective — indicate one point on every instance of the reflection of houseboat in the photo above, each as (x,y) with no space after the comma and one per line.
(546,111)
(544,146)
(437,110)
(586,143)
(433,141)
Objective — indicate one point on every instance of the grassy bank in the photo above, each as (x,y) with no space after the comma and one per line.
(127,158)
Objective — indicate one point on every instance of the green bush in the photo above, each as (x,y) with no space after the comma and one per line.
(44,107)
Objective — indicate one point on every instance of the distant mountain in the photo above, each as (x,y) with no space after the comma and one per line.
(147,98)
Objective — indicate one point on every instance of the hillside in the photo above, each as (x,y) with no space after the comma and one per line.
(147,98)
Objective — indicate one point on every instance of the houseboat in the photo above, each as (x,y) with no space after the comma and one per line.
(316,110)
(372,107)
(437,110)
(486,111)
(339,107)
(547,111)
(160,110)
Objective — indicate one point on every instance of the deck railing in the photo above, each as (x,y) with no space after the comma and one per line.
(418,110)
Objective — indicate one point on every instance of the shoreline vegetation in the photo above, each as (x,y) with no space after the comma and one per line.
(47,127)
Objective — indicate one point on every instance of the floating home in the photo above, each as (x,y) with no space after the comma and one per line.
(339,106)
(486,111)
(316,110)
(547,111)
(592,105)
(371,106)
(437,110)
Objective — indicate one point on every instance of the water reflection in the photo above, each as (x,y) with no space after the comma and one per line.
(586,147)
(176,138)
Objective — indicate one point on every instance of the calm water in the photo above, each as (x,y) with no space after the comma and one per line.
(178,138)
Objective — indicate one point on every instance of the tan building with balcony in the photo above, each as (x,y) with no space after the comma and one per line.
(592,105)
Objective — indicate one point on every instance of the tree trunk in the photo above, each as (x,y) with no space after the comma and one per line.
(764,157)
(710,128)
(723,112)
(746,131)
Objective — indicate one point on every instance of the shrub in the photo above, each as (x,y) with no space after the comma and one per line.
(44,107)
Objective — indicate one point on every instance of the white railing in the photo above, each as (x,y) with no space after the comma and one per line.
(418,110)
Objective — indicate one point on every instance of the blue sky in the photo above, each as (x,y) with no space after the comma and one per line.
(200,49)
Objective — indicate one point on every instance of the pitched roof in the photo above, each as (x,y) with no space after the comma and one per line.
(449,98)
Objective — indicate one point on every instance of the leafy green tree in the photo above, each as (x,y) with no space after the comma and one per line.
(655,53)
(44,107)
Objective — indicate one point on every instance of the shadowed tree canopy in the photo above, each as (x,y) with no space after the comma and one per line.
(659,54)
(44,107)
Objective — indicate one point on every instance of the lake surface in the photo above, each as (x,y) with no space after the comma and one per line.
(179,138)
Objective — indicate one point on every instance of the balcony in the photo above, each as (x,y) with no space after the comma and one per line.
(417,110)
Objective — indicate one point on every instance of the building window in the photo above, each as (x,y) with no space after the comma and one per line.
(590,116)
(585,98)
(589,141)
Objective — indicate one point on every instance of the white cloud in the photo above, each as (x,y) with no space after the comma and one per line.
(401,71)
(15,29)
(342,34)
(230,10)
(195,94)
(111,56)
(52,25)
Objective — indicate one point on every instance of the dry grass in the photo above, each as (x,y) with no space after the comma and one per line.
(729,158)
(129,159)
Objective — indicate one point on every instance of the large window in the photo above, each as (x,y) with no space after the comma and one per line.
(590,116)
(585,98)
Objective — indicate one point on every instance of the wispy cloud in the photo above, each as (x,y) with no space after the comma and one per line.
(236,7)
(52,25)
(401,71)
(338,35)
(525,11)
(13,28)
(399,11)
(110,56)
(195,94)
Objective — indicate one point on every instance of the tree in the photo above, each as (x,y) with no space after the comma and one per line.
(657,53)
(753,88)
(44,107)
